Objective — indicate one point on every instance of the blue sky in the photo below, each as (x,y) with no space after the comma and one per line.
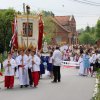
(84,14)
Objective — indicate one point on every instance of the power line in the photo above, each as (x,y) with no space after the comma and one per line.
(92,2)
(88,2)
(79,14)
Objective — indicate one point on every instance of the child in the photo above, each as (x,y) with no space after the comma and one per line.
(81,68)
(50,65)
(9,65)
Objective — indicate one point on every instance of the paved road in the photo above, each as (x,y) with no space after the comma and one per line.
(72,87)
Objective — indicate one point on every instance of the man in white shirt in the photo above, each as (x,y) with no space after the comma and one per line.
(57,59)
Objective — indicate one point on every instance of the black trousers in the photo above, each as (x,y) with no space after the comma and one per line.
(30,77)
(56,73)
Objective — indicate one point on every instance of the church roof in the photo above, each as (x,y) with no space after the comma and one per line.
(63,19)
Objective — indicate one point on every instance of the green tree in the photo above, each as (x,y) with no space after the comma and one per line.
(86,38)
(6,19)
(47,38)
(93,30)
(98,30)
(49,25)
(88,35)
(47,13)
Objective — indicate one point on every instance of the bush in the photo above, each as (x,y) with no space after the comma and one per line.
(86,38)
(97,96)
(2,58)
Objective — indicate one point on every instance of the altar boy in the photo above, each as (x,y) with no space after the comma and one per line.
(22,62)
(35,67)
(9,64)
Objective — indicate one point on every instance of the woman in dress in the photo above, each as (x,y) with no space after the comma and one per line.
(86,62)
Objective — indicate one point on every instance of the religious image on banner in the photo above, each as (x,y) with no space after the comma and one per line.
(30,29)
(45,47)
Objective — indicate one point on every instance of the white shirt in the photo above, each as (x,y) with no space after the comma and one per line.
(57,58)
(98,57)
(9,71)
(91,60)
(36,66)
(29,60)
(94,58)
(25,60)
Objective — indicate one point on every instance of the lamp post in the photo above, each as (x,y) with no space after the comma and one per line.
(28,12)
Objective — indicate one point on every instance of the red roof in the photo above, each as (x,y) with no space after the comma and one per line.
(62,19)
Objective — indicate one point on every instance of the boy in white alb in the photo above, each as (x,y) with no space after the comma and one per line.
(35,67)
(22,62)
(9,65)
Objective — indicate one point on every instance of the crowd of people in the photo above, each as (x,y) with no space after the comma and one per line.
(88,58)
(29,65)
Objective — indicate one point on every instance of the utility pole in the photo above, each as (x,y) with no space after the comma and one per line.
(28,12)
(24,8)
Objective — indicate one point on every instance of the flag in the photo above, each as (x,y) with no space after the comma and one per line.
(14,41)
(40,33)
(1,74)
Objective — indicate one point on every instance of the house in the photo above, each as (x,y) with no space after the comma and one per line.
(65,31)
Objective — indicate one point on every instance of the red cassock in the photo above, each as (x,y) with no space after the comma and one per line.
(9,81)
(35,76)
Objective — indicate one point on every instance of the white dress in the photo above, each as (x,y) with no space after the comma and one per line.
(23,73)
(81,69)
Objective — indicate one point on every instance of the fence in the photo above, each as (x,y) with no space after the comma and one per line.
(70,63)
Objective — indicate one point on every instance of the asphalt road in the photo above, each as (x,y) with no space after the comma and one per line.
(72,87)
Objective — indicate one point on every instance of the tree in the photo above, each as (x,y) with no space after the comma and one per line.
(93,30)
(47,13)
(86,38)
(47,38)
(88,29)
(1,48)
(98,30)
(49,25)
(6,19)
